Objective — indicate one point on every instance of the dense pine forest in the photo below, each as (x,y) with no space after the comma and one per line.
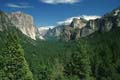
(96,57)
(81,50)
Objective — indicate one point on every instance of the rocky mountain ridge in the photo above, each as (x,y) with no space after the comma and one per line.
(4,21)
(66,32)
(81,28)
(41,31)
(77,29)
(21,21)
(24,23)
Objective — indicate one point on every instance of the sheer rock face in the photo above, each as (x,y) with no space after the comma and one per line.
(77,29)
(67,32)
(4,21)
(81,28)
(77,23)
(55,32)
(104,24)
(24,23)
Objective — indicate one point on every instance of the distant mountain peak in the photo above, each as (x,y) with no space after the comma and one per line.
(78,23)
(85,25)
(85,17)
(24,22)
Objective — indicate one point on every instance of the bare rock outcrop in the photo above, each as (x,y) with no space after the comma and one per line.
(24,23)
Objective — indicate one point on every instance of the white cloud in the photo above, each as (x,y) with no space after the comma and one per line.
(69,20)
(46,27)
(20,5)
(89,17)
(60,1)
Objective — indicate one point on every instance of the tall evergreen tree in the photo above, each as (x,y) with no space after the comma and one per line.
(13,65)
(79,64)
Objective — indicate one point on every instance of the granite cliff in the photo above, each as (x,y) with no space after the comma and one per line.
(24,23)
(81,28)
(78,28)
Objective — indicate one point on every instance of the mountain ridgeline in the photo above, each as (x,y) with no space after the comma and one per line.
(22,22)
(81,28)
(82,50)
(77,29)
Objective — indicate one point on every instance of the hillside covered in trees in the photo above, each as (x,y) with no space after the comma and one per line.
(96,57)
(93,57)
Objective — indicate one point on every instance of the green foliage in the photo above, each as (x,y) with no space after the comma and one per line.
(105,58)
(79,64)
(96,57)
(13,64)
(45,53)
(43,73)
(57,71)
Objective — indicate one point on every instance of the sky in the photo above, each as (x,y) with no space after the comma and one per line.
(52,12)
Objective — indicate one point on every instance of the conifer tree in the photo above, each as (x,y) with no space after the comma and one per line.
(13,65)
(79,64)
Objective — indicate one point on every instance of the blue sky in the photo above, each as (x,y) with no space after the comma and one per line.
(49,12)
